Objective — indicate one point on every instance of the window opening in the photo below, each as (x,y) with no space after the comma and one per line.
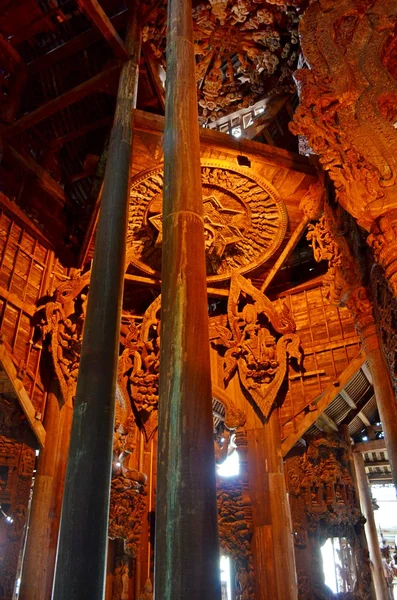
(338,565)
(226,580)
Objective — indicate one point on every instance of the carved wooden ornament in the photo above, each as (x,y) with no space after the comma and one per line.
(245,220)
(138,377)
(251,341)
(244,50)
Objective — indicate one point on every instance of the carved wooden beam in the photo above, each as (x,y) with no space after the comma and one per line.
(325,423)
(22,395)
(353,131)
(152,282)
(96,14)
(289,248)
(321,403)
(94,84)
(154,124)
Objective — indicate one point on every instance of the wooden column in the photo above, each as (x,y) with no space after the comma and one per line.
(81,559)
(381,588)
(187,555)
(385,396)
(273,544)
(43,529)
(387,404)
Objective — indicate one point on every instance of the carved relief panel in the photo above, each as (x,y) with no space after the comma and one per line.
(245,220)
(324,505)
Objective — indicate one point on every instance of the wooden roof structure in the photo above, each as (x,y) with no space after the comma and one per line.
(60,62)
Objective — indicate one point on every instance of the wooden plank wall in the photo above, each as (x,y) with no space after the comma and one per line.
(24,261)
(329,342)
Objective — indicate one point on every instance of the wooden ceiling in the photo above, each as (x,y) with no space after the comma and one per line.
(60,62)
(59,67)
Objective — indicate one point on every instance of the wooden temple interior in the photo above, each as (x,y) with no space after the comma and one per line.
(220,174)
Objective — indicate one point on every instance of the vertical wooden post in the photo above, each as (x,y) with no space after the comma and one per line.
(187,555)
(387,404)
(381,588)
(43,529)
(82,549)
(273,543)
(384,394)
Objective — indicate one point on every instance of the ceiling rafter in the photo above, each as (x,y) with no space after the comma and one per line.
(11,52)
(321,403)
(77,93)
(73,46)
(45,181)
(93,10)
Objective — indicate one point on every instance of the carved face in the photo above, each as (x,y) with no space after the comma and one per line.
(249,314)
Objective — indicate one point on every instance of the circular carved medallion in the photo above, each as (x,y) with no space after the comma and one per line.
(244,220)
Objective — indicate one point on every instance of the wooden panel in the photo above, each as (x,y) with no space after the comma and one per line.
(329,343)
(23,262)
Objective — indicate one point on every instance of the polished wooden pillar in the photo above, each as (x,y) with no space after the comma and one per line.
(42,538)
(381,588)
(81,559)
(384,393)
(272,543)
(186,555)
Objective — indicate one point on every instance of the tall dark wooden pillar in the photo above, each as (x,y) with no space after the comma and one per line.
(81,560)
(187,555)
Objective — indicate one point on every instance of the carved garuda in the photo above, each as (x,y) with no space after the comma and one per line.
(259,340)
(245,220)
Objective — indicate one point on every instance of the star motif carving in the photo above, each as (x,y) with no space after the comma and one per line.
(223,227)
